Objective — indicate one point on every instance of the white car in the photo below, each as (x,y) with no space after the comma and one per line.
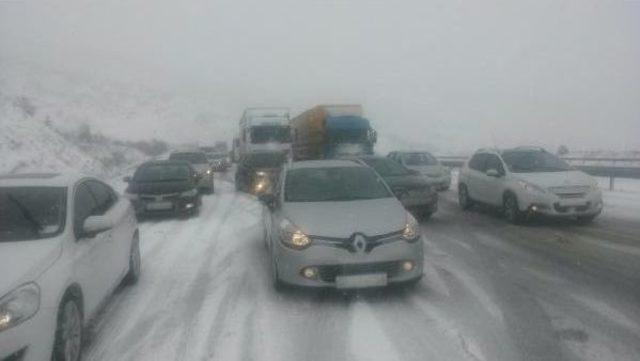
(66,242)
(335,223)
(527,181)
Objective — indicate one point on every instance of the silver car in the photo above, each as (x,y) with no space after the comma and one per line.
(335,223)
(437,175)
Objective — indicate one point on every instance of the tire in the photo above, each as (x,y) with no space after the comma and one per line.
(464,200)
(511,209)
(135,263)
(278,285)
(69,331)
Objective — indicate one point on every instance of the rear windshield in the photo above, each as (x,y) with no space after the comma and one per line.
(333,184)
(31,212)
(386,167)
(162,173)
(193,158)
(416,159)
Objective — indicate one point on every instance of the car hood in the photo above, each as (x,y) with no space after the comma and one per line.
(159,187)
(556,179)
(201,167)
(432,170)
(406,182)
(343,219)
(25,261)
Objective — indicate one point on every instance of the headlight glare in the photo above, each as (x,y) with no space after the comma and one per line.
(293,237)
(19,305)
(411,231)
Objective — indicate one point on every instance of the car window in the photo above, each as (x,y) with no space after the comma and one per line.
(105,197)
(28,213)
(84,205)
(386,167)
(478,161)
(494,162)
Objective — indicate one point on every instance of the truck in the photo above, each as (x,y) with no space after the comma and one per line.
(263,129)
(330,131)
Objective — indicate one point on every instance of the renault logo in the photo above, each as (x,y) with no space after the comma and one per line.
(359,243)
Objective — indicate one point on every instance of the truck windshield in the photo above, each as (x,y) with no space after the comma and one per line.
(31,212)
(349,136)
(533,161)
(333,184)
(270,134)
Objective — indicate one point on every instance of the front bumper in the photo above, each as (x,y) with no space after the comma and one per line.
(439,182)
(552,205)
(175,205)
(330,263)
(34,338)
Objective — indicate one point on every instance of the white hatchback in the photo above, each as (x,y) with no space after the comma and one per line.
(527,181)
(66,242)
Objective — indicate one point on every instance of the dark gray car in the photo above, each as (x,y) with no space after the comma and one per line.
(410,187)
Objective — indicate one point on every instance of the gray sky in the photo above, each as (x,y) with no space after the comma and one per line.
(440,74)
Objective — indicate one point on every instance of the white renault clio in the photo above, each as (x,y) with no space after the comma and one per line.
(66,242)
(527,181)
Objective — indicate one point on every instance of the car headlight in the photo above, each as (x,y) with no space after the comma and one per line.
(190,193)
(209,171)
(532,188)
(19,305)
(293,237)
(411,232)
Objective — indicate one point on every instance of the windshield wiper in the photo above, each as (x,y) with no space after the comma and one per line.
(26,214)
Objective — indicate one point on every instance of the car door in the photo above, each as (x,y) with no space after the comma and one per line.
(118,241)
(91,266)
(492,187)
(475,177)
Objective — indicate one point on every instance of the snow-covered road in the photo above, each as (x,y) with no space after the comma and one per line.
(492,291)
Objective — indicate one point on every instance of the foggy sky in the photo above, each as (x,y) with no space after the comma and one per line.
(434,74)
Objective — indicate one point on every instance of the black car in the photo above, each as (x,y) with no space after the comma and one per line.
(256,172)
(412,189)
(164,187)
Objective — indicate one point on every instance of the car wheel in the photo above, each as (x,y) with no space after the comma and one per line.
(135,262)
(463,198)
(278,285)
(68,338)
(511,209)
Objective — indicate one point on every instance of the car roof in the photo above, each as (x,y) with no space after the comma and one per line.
(328,163)
(40,179)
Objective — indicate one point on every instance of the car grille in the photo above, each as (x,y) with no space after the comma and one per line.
(159,197)
(348,243)
(565,209)
(569,192)
(330,272)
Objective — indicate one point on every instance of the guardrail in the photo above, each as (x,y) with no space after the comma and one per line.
(612,168)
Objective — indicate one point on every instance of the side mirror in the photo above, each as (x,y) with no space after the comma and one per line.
(493,173)
(96,224)
(268,199)
(127,179)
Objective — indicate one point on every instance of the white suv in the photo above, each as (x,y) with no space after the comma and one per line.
(526,181)
(66,242)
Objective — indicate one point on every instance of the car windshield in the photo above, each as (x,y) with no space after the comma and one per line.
(333,184)
(386,167)
(28,213)
(265,160)
(270,134)
(418,159)
(533,162)
(193,158)
(162,173)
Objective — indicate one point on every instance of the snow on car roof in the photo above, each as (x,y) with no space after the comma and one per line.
(40,179)
(329,163)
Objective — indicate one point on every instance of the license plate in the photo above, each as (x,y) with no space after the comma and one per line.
(362,281)
(159,206)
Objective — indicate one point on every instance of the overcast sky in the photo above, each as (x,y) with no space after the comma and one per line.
(438,74)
